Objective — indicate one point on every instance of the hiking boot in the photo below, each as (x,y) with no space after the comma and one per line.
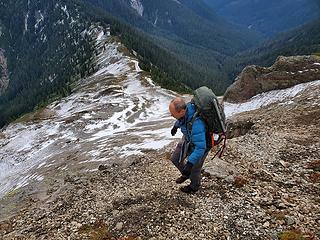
(188,189)
(181,179)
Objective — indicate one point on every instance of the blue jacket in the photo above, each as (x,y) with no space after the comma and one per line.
(197,136)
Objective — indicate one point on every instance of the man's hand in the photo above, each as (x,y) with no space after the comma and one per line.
(187,169)
(174,130)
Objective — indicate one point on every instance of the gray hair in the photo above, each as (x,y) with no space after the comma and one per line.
(179,104)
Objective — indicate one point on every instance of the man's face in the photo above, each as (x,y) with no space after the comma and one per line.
(176,114)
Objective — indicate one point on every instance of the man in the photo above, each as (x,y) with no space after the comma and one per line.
(193,145)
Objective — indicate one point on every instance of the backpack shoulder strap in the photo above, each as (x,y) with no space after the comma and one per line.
(189,124)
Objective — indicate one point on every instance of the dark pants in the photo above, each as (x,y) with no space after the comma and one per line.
(178,158)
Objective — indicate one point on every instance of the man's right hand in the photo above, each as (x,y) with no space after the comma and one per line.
(174,130)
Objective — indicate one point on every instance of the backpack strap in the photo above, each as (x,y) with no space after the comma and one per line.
(189,124)
(223,138)
(219,116)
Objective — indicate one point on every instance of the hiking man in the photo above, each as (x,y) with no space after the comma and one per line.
(192,150)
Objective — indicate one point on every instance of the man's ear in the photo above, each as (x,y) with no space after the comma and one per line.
(182,112)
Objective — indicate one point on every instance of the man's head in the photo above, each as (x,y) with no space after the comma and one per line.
(178,108)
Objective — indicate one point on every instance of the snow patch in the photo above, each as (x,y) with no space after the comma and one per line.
(26,19)
(156,20)
(100,36)
(177,1)
(137,5)
(72,21)
(267,98)
(60,22)
(26,22)
(39,19)
(137,67)
(150,82)
(43,37)
(64,9)
(87,116)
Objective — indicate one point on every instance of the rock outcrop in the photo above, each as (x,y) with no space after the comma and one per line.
(4,80)
(285,72)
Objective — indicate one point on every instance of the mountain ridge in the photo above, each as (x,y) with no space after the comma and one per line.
(268,17)
(300,41)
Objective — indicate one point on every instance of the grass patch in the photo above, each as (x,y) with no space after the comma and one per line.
(315,177)
(100,231)
(240,181)
(39,114)
(291,235)
(12,193)
(96,231)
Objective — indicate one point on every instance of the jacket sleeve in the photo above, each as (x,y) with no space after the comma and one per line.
(177,124)
(198,138)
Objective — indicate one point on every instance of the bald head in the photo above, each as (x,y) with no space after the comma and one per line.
(177,107)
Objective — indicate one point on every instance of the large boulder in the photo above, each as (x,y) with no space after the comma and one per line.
(285,72)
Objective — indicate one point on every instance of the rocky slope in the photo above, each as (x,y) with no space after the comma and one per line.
(285,72)
(265,187)
(4,81)
(115,113)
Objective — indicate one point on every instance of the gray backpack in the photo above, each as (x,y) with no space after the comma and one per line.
(211,112)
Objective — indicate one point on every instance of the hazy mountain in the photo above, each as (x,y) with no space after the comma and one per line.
(188,30)
(186,20)
(267,16)
(301,41)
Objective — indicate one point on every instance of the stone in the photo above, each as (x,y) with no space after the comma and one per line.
(219,168)
(76,224)
(283,163)
(115,212)
(238,128)
(266,224)
(119,226)
(281,206)
(290,220)
(2,136)
(229,179)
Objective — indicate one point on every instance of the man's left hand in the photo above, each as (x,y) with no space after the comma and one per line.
(174,130)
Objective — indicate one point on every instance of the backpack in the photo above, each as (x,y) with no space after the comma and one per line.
(211,112)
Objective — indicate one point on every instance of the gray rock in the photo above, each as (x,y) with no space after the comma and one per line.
(285,72)
(115,212)
(290,220)
(220,169)
(229,179)
(266,224)
(119,226)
